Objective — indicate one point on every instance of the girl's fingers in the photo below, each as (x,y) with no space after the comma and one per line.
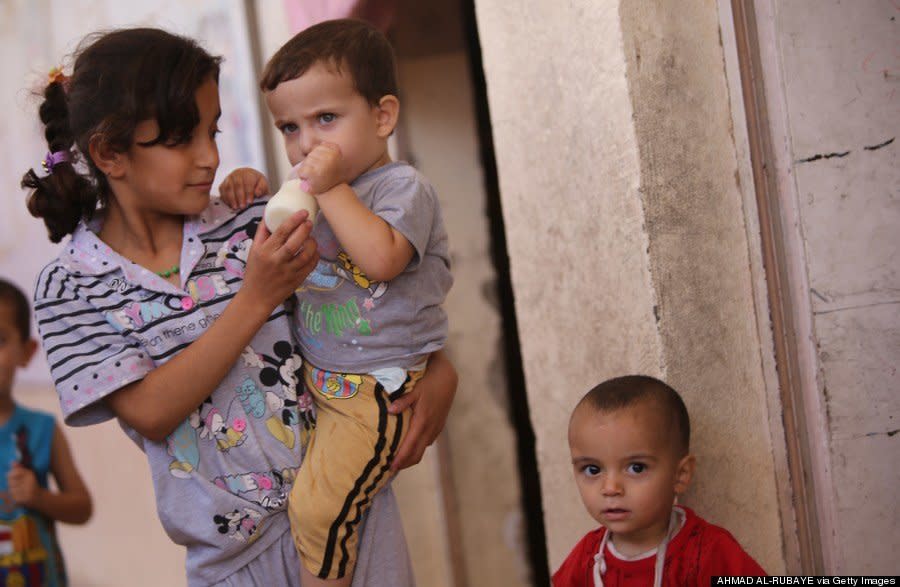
(306,259)
(281,235)
(296,240)
(403,402)
(262,234)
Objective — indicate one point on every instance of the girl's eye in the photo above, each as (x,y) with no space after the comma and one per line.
(591,470)
(636,468)
(288,129)
(215,132)
(326,118)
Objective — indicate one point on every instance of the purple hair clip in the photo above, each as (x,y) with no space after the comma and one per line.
(55,158)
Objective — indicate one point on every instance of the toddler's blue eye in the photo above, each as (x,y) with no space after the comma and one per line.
(637,468)
(591,470)
(326,118)
(287,129)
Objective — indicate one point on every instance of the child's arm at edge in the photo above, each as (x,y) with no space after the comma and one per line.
(430,401)
(72,503)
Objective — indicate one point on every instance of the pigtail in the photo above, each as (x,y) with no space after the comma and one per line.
(63,196)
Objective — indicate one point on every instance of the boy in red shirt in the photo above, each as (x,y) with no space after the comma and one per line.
(630,438)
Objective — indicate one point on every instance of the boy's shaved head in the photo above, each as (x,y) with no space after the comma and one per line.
(631,390)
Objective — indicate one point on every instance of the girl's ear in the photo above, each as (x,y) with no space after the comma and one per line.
(387,115)
(684,473)
(108,161)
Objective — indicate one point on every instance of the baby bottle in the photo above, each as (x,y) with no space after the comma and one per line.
(289,199)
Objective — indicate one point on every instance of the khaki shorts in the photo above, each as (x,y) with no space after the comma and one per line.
(347,462)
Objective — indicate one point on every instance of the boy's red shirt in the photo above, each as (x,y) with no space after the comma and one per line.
(699,551)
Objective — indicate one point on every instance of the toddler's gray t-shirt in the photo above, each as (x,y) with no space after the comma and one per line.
(348,323)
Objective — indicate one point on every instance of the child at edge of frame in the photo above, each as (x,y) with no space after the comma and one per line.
(630,443)
(32,448)
(370,313)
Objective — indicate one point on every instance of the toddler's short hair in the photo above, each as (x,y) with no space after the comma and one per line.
(12,295)
(623,392)
(346,44)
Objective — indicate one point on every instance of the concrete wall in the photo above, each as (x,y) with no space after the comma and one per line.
(440,126)
(628,242)
(831,75)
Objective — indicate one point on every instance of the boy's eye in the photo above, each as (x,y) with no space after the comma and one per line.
(591,470)
(287,129)
(326,118)
(216,131)
(636,468)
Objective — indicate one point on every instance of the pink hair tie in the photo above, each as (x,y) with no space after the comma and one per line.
(51,159)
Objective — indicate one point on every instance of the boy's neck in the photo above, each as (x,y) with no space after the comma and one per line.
(383,160)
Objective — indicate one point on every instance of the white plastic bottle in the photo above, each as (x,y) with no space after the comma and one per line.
(289,199)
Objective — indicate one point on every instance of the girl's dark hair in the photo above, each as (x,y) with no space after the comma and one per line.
(120,78)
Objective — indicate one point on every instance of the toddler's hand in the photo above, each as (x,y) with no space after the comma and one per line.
(322,169)
(23,485)
(279,262)
(242,186)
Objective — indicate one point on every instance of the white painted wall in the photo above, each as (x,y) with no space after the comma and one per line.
(831,71)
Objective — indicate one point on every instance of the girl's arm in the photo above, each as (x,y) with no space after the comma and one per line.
(157,404)
(71,504)
(430,401)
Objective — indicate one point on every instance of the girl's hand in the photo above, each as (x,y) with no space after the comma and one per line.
(23,485)
(279,262)
(322,169)
(430,401)
(242,186)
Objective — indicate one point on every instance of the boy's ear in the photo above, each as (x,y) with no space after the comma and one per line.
(108,161)
(28,352)
(387,116)
(684,473)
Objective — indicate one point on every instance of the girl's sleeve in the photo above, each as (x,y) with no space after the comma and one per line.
(89,358)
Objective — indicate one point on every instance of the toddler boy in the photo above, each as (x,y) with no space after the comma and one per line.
(370,314)
(630,438)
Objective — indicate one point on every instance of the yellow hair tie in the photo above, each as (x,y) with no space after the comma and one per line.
(56,75)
